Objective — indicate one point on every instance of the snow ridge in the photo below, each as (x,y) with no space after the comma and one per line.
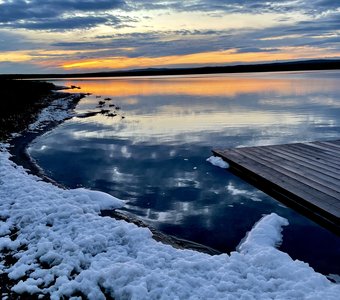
(64,247)
(57,111)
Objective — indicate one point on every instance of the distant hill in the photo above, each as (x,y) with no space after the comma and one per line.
(306,65)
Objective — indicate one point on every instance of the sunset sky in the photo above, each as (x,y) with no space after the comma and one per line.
(58,36)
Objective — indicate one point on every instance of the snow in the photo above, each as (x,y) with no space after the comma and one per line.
(218,162)
(57,111)
(64,248)
(105,201)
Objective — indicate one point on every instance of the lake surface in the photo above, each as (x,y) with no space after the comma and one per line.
(152,150)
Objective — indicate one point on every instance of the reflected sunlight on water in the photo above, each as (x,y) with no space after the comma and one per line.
(215,85)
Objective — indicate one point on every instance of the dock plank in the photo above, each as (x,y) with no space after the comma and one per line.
(318,152)
(313,153)
(305,175)
(303,166)
(323,166)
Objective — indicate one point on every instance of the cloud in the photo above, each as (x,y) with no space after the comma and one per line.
(328,23)
(184,41)
(54,24)
(240,6)
(14,10)
(254,50)
(11,41)
(72,14)
(55,14)
(23,67)
(153,44)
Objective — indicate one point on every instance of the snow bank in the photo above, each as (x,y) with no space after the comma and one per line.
(64,247)
(105,201)
(57,111)
(218,162)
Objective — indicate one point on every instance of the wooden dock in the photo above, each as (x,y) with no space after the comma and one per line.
(304,176)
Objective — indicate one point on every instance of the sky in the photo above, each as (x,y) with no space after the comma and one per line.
(72,36)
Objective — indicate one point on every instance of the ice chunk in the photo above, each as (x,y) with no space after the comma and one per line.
(218,162)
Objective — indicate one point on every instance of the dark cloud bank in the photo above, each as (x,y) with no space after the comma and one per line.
(62,14)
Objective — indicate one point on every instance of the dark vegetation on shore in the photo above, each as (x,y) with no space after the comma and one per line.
(307,65)
(20,102)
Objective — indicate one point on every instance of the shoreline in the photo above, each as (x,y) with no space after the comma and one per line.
(20,142)
(20,156)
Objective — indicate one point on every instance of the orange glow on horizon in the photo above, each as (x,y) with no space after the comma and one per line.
(204,58)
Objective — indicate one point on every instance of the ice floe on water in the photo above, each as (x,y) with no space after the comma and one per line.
(218,162)
(62,247)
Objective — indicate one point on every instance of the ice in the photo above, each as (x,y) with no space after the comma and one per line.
(218,162)
(65,248)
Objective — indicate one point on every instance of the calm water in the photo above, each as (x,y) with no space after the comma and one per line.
(153,152)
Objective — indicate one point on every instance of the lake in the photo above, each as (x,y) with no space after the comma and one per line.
(149,142)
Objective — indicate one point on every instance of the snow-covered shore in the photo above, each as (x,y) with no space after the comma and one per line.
(63,247)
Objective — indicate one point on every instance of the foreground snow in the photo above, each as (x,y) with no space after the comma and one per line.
(63,247)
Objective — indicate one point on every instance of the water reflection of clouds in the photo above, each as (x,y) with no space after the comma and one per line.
(324,100)
(253,195)
(131,101)
(185,182)
(173,124)
(178,214)
(119,176)
(42,148)
(125,152)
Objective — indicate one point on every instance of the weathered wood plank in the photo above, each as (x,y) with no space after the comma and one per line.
(315,153)
(300,167)
(325,149)
(331,145)
(304,174)
(323,165)
(321,150)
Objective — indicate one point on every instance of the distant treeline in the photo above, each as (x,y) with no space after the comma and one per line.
(308,65)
